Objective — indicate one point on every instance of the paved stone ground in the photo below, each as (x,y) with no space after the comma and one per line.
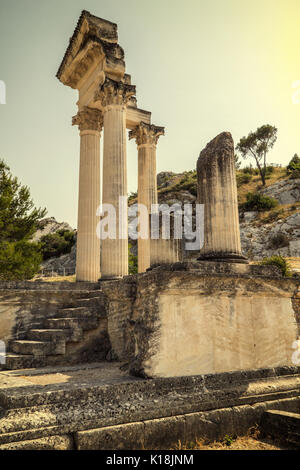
(99,406)
(53,378)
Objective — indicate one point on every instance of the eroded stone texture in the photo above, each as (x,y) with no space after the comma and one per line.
(104,408)
(217,190)
(146,137)
(199,321)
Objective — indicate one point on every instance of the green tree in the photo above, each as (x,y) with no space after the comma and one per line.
(132,261)
(56,244)
(293,168)
(256,145)
(237,162)
(19,257)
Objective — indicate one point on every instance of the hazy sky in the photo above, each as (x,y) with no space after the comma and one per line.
(201,67)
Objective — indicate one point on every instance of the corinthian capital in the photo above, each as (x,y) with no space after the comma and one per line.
(114,93)
(88,119)
(146,134)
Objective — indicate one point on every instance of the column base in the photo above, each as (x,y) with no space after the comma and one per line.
(224,258)
(110,278)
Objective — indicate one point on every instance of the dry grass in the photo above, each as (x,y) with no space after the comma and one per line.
(255,184)
(280,212)
(254,440)
(294,263)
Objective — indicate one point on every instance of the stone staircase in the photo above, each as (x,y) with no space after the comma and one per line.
(49,344)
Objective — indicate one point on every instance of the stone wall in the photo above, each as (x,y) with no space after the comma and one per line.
(199,318)
(26,305)
(102,408)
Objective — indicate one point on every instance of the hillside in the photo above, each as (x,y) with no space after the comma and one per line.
(263,233)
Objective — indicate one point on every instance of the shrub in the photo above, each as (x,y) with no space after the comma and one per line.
(57,244)
(280,262)
(273,215)
(19,260)
(293,168)
(259,202)
(250,171)
(279,241)
(132,261)
(132,196)
(269,169)
(243,178)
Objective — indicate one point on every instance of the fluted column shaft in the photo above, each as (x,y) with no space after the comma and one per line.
(88,243)
(113,97)
(115,251)
(217,191)
(146,136)
(147,195)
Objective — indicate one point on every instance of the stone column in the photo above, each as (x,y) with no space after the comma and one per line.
(217,190)
(146,136)
(88,244)
(113,97)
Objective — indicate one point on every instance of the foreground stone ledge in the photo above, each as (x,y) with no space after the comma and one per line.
(95,405)
(44,285)
(46,443)
(185,429)
(282,424)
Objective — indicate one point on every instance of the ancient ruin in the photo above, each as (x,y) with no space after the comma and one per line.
(218,192)
(94,65)
(183,349)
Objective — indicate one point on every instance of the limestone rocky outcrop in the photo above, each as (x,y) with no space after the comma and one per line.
(48,226)
(281,237)
(285,191)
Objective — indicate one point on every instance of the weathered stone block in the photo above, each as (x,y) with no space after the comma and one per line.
(160,433)
(282,424)
(126,436)
(45,443)
(199,320)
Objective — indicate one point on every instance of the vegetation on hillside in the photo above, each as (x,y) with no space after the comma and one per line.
(280,263)
(57,244)
(20,258)
(257,145)
(258,202)
(293,168)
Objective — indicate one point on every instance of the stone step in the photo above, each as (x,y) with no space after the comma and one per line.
(55,334)
(38,348)
(93,303)
(24,361)
(74,312)
(72,323)
(95,293)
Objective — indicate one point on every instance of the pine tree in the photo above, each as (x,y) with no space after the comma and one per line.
(20,258)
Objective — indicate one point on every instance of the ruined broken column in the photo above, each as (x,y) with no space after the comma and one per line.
(146,136)
(113,97)
(217,190)
(90,123)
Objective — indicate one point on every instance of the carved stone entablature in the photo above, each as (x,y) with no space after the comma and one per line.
(92,53)
(146,134)
(94,41)
(114,93)
(88,119)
